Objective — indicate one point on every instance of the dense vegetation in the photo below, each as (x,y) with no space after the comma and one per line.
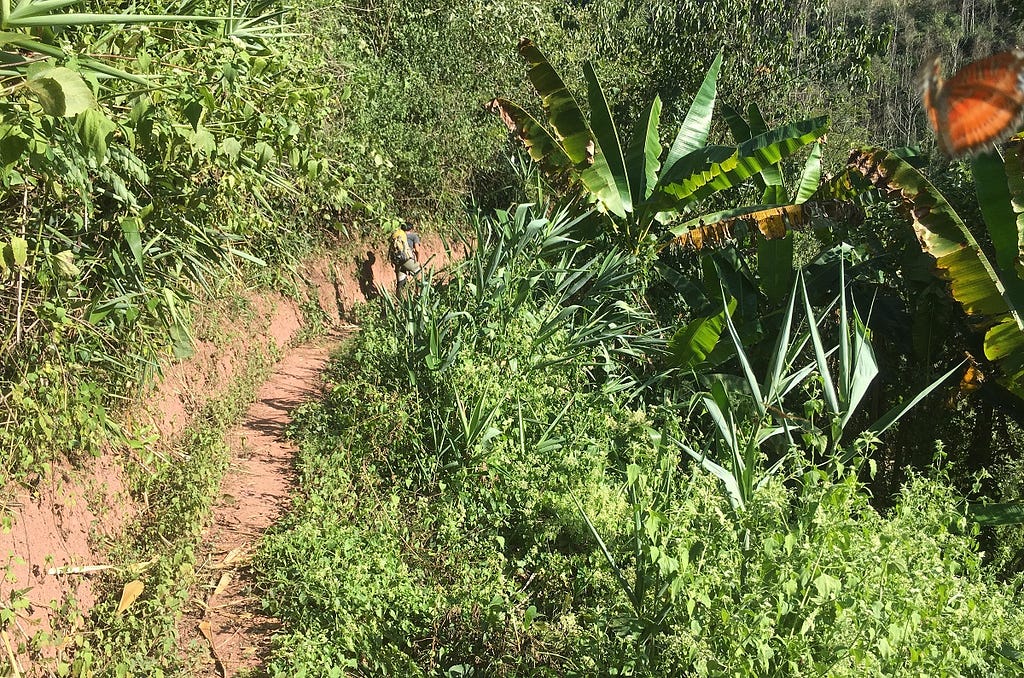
(613,441)
(486,492)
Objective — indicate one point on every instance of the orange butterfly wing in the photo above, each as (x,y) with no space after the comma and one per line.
(981,105)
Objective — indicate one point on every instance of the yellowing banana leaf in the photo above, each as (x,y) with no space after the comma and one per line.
(772,222)
(563,112)
(973,281)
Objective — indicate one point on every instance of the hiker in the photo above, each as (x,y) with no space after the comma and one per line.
(404,252)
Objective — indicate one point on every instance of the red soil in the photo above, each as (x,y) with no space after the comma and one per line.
(71,519)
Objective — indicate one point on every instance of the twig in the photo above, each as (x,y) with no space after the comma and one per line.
(78,569)
(21,269)
(10,653)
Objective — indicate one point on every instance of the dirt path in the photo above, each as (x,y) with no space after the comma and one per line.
(224,617)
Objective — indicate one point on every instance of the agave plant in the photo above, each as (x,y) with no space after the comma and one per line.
(639,191)
(749,412)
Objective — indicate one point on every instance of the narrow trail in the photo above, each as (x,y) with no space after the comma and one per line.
(224,616)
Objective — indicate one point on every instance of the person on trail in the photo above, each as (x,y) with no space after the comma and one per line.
(404,252)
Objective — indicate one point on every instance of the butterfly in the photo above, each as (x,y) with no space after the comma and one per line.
(980,106)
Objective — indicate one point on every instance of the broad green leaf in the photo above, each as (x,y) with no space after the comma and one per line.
(996,208)
(690,169)
(775,266)
(755,120)
(131,227)
(619,199)
(772,176)
(264,154)
(750,158)
(774,194)
(737,125)
(230,148)
(60,91)
(693,134)
(13,144)
(1015,184)
(643,152)
(827,585)
(563,112)
(66,264)
(19,251)
(181,341)
(811,176)
(94,127)
(691,345)
(203,141)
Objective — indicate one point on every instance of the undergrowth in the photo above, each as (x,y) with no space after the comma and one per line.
(486,491)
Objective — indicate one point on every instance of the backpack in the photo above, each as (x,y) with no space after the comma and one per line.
(398,249)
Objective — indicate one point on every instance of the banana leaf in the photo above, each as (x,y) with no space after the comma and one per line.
(973,281)
(1015,184)
(606,178)
(771,221)
(775,266)
(811,176)
(693,343)
(750,158)
(541,146)
(564,114)
(772,176)
(737,125)
(994,199)
(693,133)
(642,154)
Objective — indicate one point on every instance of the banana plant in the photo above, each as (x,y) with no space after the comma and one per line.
(639,192)
(990,293)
